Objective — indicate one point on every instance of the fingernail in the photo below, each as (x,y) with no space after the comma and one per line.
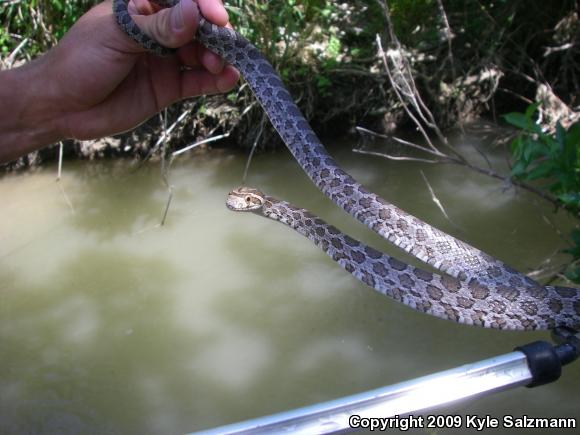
(177,17)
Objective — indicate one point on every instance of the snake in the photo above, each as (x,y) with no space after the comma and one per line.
(484,290)
(440,295)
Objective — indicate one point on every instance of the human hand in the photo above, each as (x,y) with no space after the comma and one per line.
(101,82)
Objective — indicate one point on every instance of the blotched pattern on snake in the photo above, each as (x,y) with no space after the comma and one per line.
(439,295)
(436,248)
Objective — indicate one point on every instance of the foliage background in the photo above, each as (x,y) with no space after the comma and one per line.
(468,58)
(326,53)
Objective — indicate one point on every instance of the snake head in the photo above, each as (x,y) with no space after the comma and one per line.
(245,199)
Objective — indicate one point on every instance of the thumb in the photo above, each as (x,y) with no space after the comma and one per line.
(171,27)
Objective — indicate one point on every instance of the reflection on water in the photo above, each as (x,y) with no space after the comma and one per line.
(110,323)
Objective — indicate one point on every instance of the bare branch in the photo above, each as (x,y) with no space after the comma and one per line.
(436,200)
(10,59)
(60,154)
(448,37)
(400,97)
(254,146)
(482,154)
(549,50)
(167,131)
(391,157)
(525,186)
(488,172)
(404,142)
(198,143)
(165,165)
(401,78)
(521,97)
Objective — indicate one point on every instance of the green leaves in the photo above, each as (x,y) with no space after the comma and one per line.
(42,22)
(323,84)
(576,239)
(554,161)
(573,273)
(334,47)
(524,121)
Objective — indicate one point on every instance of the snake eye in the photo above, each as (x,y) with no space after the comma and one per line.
(248,199)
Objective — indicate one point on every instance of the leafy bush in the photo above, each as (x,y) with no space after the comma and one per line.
(41,22)
(552,159)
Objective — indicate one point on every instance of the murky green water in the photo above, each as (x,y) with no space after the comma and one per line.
(110,323)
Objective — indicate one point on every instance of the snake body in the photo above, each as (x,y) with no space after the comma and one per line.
(454,257)
(439,295)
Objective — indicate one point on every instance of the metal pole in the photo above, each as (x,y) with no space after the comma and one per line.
(411,397)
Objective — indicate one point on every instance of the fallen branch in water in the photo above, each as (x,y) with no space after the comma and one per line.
(391,157)
(254,147)
(436,200)
(198,143)
(164,163)
(60,154)
(463,162)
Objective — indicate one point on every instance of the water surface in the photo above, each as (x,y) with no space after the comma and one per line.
(111,323)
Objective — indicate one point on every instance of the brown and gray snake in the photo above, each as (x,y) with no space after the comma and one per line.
(475,289)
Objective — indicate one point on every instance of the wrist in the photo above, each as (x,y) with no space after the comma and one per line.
(28,114)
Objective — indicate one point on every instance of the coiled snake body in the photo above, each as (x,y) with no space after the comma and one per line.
(485,292)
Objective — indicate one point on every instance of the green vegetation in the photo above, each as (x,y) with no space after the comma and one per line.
(312,44)
(327,54)
(468,58)
(40,22)
(554,161)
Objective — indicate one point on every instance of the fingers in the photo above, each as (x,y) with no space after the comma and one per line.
(197,82)
(189,54)
(194,55)
(211,61)
(214,11)
(175,27)
(142,7)
(170,27)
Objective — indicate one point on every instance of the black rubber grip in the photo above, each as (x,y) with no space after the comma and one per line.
(543,361)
